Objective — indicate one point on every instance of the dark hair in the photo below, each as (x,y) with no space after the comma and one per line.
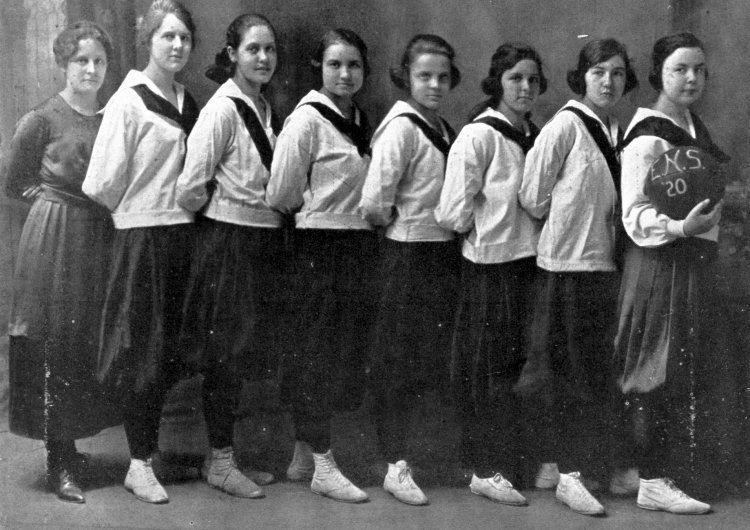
(67,42)
(418,45)
(223,67)
(332,37)
(595,52)
(506,57)
(155,15)
(665,47)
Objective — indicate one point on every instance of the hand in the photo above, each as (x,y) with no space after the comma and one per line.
(697,222)
(32,192)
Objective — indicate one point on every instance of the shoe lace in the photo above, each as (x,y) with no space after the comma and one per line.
(500,480)
(148,473)
(669,483)
(404,474)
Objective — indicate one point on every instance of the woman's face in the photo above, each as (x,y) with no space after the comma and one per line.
(85,71)
(255,58)
(171,45)
(429,80)
(683,76)
(605,84)
(343,71)
(521,85)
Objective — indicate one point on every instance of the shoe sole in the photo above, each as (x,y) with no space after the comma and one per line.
(353,501)
(144,499)
(657,509)
(259,495)
(405,501)
(525,503)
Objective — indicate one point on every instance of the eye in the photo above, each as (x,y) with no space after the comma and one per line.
(700,70)
(444,78)
(355,64)
(619,73)
(271,49)
(423,76)
(516,77)
(253,48)
(100,62)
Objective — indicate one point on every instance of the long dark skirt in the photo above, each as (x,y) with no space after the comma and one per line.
(566,377)
(143,306)
(486,358)
(57,298)
(665,348)
(335,304)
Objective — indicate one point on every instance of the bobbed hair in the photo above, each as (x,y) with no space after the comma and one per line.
(67,42)
(335,36)
(223,67)
(595,52)
(506,57)
(665,47)
(155,15)
(418,45)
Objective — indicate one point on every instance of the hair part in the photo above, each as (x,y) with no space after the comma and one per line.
(68,41)
(223,67)
(338,36)
(665,47)
(507,56)
(422,44)
(157,12)
(595,52)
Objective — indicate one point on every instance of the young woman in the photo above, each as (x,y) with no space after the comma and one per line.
(570,182)
(61,265)
(137,157)
(228,328)
(411,339)
(319,166)
(480,199)
(667,306)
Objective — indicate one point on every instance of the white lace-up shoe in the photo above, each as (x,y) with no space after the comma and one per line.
(497,489)
(662,494)
(302,465)
(143,483)
(399,483)
(220,471)
(329,482)
(572,492)
(624,482)
(547,476)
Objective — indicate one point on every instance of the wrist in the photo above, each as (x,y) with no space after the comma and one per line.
(676,228)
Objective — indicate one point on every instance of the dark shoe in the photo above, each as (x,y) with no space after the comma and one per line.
(63,484)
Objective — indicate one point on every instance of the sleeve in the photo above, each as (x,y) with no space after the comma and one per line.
(643,223)
(292,161)
(544,163)
(108,175)
(465,171)
(22,163)
(392,151)
(206,147)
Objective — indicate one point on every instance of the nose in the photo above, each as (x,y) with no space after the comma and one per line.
(434,82)
(262,55)
(90,66)
(607,79)
(345,72)
(525,85)
(691,75)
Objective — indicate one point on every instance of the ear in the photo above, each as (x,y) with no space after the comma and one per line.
(232,54)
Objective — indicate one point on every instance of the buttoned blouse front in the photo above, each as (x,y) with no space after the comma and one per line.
(403,183)
(317,171)
(480,195)
(645,226)
(567,182)
(220,147)
(136,159)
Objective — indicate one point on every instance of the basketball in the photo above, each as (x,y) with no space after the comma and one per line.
(681,178)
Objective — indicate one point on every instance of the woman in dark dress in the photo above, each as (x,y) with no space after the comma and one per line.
(61,265)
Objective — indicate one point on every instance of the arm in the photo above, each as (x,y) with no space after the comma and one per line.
(108,177)
(23,161)
(290,169)
(206,147)
(544,163)
(465,171)
(392,151)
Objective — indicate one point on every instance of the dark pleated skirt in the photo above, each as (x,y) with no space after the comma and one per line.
(569,344)
(487,351)
(411,340)
(143,305)
(57,299)
(667,311)
(234,313)
(334,304)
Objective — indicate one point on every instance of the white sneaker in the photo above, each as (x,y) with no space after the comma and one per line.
(497,489)
(624,482)
(328,481)
(143,483)
(302,465)
(572,492)
(662,494)
(399,483)
(547,477)
(220,471)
